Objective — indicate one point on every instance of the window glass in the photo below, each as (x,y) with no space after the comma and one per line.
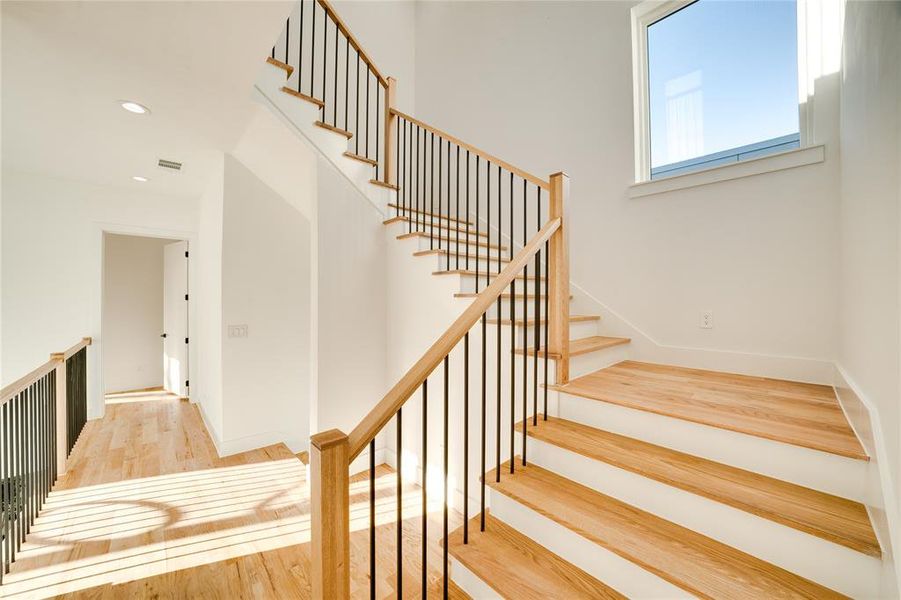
(722,83)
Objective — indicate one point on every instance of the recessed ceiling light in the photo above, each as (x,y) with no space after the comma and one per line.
(134,107)
(139,178)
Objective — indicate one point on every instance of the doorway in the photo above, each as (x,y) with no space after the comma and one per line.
(144,317)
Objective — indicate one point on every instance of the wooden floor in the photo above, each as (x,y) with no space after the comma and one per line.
(801,414)
(149,510)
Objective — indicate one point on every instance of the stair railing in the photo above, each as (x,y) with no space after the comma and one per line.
(336,73)
(41,416)
(498,226)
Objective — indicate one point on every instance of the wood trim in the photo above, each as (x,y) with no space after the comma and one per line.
(383,184)
(330,10)
(428,214)
(581,346)
(493,159)
(302,96)
(277,63)
(444,238)
(337,130)
(368,161)
(385,410)
(23,382)
(20,384)
(558,284)
(330,515)
(390,138)
(75,348)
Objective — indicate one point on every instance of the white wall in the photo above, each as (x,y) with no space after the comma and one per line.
(351,303)
(132,312)
(548,86)
(265,286)
(869,352)
(52,263)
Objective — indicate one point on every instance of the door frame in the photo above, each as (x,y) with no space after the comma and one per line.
(96,404)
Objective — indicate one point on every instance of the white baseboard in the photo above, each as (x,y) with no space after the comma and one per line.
(880,497)
(645,348)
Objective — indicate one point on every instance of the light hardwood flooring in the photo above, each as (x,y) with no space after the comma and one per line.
(149,510)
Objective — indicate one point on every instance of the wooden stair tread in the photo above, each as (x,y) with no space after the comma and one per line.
(443,238)
(302,96)
(683,557)
(337,130)
(489,258)
(507,560)
(829,517)
(583,345)
(452,228)
(801,414)
(473,273)
(277,63)
(383,184)
(505,296)
(368,161)
(531,322)
(428,214)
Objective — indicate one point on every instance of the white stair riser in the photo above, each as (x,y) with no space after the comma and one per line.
(809,468)
(475,246)
(829,564)
(614,570)
(470,583)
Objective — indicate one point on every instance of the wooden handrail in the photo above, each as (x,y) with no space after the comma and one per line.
(20,384)
(387,407)
(490,157)
(75,348)
(353,41)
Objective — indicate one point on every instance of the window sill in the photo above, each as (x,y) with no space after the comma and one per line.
(756,166)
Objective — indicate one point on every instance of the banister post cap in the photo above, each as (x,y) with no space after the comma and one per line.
(57,356)
(560,174)
(329,438)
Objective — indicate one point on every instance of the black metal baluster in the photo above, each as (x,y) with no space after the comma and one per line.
(335,82)
(4,506)
(425,468)
(446,466)
(499,314)
(457,226)
(400,504)
(482,472)
(419,214)
(467,214)
(547,315)
(368,85)
(431,165)
(400,192)
(457,213)
(287,37)
(378,122)
(347,83)
(372,519)
(300,50)
(357,106)
(537,316)
(465,434)
(325,20)
(525,318)
(312,49)
(440,210)
(512,344)
(29,459)
(476,243)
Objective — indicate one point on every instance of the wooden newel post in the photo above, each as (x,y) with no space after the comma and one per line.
(558,283)
(389,176)
(330,515)
(62,442)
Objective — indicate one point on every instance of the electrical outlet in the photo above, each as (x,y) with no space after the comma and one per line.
(706,320)
(237,331)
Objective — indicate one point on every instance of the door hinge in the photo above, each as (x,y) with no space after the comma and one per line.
(186,254)
(186,297)
(187,383)
(186,340)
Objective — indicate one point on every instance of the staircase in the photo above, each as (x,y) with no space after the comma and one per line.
(579,471)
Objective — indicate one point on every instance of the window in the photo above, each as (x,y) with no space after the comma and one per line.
(718,83)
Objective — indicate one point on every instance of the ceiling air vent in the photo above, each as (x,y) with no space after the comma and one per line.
(170,164)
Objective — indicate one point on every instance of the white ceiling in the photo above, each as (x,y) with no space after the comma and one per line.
(66,64)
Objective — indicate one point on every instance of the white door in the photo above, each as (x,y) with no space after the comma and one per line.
(175,318)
